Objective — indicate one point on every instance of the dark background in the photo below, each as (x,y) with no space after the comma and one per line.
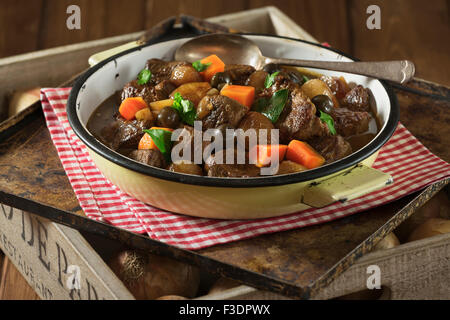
(418,30)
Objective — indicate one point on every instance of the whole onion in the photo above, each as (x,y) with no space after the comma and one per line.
(390,241)
(431,227)
(149,276)
(437,207)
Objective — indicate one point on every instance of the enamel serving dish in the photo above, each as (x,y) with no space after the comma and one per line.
(231,198)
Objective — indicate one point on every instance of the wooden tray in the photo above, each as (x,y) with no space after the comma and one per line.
(297,263)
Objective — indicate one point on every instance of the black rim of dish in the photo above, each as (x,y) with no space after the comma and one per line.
(266,181)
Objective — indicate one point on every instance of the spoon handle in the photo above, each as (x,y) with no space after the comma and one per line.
(400,71)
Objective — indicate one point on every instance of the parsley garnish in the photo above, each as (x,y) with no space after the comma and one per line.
(162,140)
(200,66)
(144,76)
(185,108)
(326,118)
(270,79)
(272,108)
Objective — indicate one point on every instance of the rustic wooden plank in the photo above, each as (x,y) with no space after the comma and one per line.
(413,29)
(325,20)
(53,28)
(99,19)
(42,24)
(51,257)
(46,173)
(425,118)
(416,270)
(19,26)
(124,17)
(12,284)
(2,259)
(155,12)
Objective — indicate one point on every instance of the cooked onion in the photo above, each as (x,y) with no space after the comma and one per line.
(149,276)
(390,241)
(193,91)
(316,87)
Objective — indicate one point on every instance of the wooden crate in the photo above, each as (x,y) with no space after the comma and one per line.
(415,270)
(43,250)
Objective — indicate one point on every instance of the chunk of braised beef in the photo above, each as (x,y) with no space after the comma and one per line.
(298,119)
(349,123)
(357,99)
(152,157)
(127,133)
(216,165)
(164,89)
(239,73)
(233,171)
(332,148)
(148,92)
(162,70)
(221,110)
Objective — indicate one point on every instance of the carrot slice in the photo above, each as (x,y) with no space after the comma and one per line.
(217,65)
(266,154)
(130,106)
(245,95)
(304,154)
(146,141)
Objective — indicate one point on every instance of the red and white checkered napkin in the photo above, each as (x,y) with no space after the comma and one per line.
(404,157)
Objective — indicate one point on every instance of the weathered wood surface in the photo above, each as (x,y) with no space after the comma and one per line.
(56,261)
(12,284)
(418,271)
(412,29)
(32,178)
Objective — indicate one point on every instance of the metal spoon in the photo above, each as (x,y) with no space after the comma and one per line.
(236,49)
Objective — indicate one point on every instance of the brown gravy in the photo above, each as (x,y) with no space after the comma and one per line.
(102,117)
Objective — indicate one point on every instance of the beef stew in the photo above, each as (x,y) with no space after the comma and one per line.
(331,117)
